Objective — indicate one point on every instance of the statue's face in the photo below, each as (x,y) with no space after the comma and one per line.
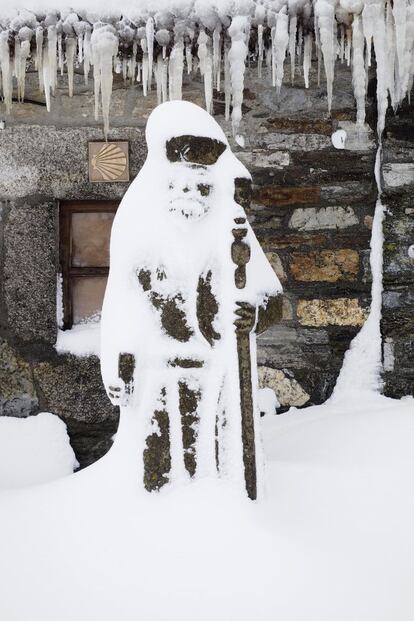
(190,188)
(189,192)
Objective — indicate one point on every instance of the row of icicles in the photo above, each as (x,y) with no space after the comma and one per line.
(149,55)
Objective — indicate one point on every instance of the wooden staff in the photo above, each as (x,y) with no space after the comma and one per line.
(240,254)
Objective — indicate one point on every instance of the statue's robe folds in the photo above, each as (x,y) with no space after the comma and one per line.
(187,372)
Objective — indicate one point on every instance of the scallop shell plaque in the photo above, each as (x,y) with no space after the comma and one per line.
(108,162)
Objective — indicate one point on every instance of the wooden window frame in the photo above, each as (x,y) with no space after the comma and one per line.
(66,209)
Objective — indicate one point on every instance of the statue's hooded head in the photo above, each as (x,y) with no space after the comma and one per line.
(194,146)
(182,200)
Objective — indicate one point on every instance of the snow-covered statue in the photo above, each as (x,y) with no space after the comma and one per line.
(189,287)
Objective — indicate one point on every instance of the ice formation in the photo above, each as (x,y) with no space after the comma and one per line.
(160,41)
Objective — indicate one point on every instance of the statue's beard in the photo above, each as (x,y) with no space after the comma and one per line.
(189,209)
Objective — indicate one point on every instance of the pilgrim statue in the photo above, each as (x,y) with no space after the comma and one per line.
(188,290)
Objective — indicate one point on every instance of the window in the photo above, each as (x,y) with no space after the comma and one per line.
(85,229)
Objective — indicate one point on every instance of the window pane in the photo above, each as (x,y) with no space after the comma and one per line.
(90,239)
(87,298)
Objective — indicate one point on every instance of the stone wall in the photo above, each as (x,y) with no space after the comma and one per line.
(312,211)
(397,325)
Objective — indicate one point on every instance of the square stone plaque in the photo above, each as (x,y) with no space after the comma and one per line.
(108,162)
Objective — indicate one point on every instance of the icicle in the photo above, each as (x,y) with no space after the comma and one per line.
(80,48)
(217,55)
(390,58)
(281,44)
(273,57)
(149,28)
(300,43)
(161,79)
(158,78)
(259,16)
(358,68)
(368,20)
(307,57)
(17,64)
(293,23)
(237,57)
(348,46)
(206,67)
(227,84)
(400,18)
(342,43)
(377,13)
(70,45)
(176,68)
(60,53)
(80,29)
(268,59)
(259,49)
(325,15)
(145,66)
(132,63)
(22,53)
(87,53)
(39,56)
(409,53)
(104,46)
(47,82)
(188,58)
(6,71)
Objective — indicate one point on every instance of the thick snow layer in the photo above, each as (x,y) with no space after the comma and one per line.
(81,340)
(149,40)
(333,539)
(34,450)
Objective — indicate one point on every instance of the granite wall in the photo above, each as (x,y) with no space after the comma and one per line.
(312,211)
(397,325)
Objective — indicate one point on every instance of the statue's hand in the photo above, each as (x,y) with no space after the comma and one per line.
(118,394)
(246,317)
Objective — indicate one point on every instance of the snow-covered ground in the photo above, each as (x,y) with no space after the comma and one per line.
(34,450)
(332,540)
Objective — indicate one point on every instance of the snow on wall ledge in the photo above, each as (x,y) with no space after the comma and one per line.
(154,42)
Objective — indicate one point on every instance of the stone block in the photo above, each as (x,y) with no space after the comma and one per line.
(288,347)
(298,142)
(328,218)
(288,391)
(260,158)
(331,312)
(301,125)
(270,241)
(73,389)
(17,390)
(280,196)
(398,174)
(358,137)
(277,265)
(287,310)
(351,192)
(30,267)
(325,265)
